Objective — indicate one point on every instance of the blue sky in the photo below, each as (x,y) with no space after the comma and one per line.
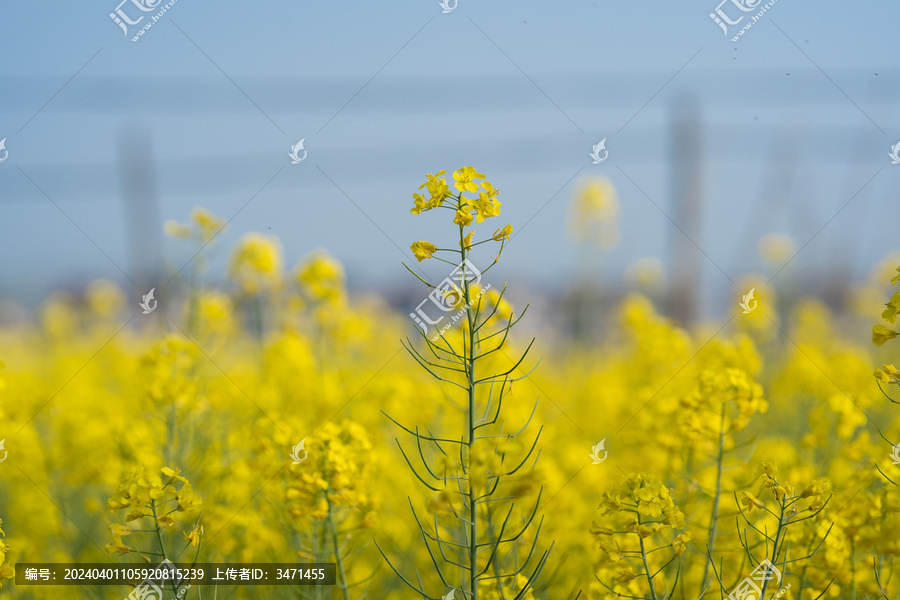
(797,119)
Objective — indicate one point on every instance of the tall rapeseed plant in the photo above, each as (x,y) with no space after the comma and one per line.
(478,541)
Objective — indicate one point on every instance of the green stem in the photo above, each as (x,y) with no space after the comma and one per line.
(774,558)
(162,546)
(257,316)
(193,301)
(714,518)
(803,573)
(170,433)
(646,565)
(342,583)
(470,372)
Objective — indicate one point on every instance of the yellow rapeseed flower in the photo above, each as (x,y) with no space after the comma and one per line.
(893,308)
(463,217)
(194,536)
(502,233)
(889,375)
(465,179)
(679,544)
(751,501)
(438,191)
(881,334)
(423,250)
(487,205)
(6,569)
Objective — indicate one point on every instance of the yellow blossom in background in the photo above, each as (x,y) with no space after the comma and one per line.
(204,390)
(776,249)
(177,230)
(501,308)
(757,315)
(167,371)
(215,313)
(58,315)
(104,297)
(646,273)
(593,213)
(208,224)
(203,226)
(723,402)
(322,277)
(256,263)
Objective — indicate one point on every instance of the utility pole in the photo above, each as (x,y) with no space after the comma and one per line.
(143,229)
(687,210)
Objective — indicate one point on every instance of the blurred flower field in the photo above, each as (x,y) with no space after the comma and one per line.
(759,437)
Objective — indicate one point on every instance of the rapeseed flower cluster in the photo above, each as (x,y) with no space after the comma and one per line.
(880,333)
(6,569)
(642,520)
(466,209)
(153,501)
